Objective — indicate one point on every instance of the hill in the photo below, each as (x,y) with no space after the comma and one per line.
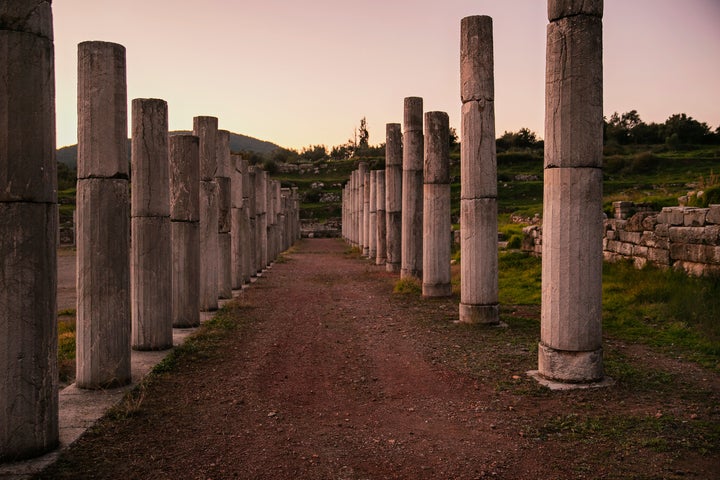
(238,142)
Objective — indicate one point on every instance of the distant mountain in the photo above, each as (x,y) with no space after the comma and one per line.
(238,142)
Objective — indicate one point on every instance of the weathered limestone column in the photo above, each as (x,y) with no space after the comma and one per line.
(478,175)
(222,177)
(103,214)
(28,238)
(280,215)
(150,260)
(393,196)
(261,218)
(437,224)
(412,190)
(184,163)
(381,232)
(366,214)
(362,171)
(246,226)
(205,128)
(372,217)
(570,347)
(354,208)
(296,212)
(252,214)
(236,220)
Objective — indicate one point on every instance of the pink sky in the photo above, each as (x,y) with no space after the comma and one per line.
(302,73)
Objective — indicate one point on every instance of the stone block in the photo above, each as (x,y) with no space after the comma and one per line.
(565,8)
(574,93)
(184,166)
(572,259)
(476,59)
(639,251)
(186,274)
(478,159)
(413,116)
(673,216)
(611,234)
(28,171)
(149,158)
(151,283)
(649,222)
(479,259)
(687,252)
(713,215)
(694,217)
(659,256)
(635,223)
(205,128)
(629,236)
(570,366)
(103,283)
(28,329)
(686,234)
(102,111)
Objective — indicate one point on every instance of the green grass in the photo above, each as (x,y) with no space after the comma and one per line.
(408,286)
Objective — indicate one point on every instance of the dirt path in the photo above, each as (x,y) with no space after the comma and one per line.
(334,377)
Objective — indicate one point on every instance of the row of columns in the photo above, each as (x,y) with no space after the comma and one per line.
(199,223)
(416,232)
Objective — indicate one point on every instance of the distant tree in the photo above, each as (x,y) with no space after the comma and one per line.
(364,140)
(522,139)
(342,152)
(313,152)
(454,139)
(688,130)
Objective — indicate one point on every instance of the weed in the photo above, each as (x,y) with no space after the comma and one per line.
(409,285)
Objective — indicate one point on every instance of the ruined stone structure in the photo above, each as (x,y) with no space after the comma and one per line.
(570,347)
(252,215)
(205,128)
(412,189)
(103,219)
(478,175)
(224,183)
(372,217)
(238,222)
(28,222)
(437,223)
(150,259)
(683,238)
(261,184)
(381,231)
(184,165)
(246,238)
(366,214)
(393,196)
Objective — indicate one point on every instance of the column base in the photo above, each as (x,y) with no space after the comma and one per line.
(392,267)
(480,314)
(436,290)
(570,367)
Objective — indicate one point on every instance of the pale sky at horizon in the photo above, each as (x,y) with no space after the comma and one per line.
(305,73)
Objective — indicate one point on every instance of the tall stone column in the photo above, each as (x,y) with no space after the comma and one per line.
(437,224)
(222,177)
(362,171)
(205,128)
(478,175)
(246,237)
(280,215)
(571,330)
(28,238)
(150,260)
(381,232)
(236,220)
(184,165)
(261,218)
(296,213)
(393,196)
(103,219)
(366,214)
(372,217)
(353,208)
(252,215)
(412,190)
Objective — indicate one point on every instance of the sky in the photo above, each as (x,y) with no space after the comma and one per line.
(301,73)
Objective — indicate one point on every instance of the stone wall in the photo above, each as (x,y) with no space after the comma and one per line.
(684,238)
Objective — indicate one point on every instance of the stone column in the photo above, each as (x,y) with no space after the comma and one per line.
(381,233)
(280,215)
(372,217)
(246,237)
(436,207)
(252,215)
(261,218)
(184,164)
(205,128)
(366,214)
(353,208)
(412,190)
(236,220)
(478,175)
(28,222)
(222,177)
(393,196)
(570,347)
(296,213)
(150,260)
(103,206)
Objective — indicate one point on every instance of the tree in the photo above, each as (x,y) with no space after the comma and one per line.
(364,141)
(688,129)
